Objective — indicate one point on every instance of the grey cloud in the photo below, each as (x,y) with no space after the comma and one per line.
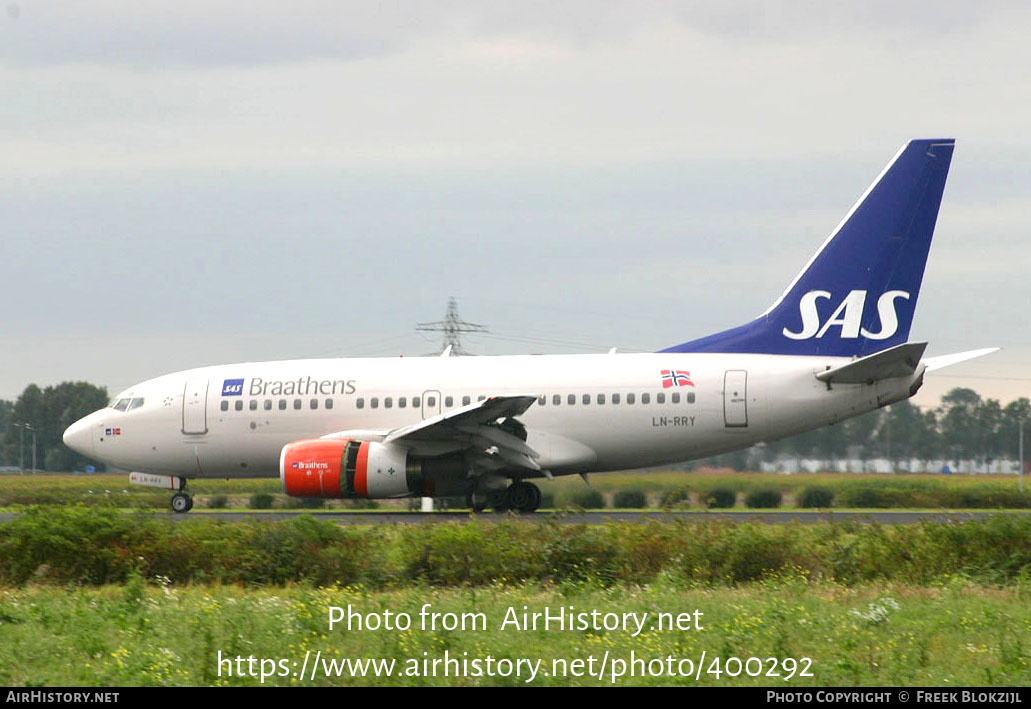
(195,34)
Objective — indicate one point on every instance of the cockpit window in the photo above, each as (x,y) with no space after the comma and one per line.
(135,404)
(120,405)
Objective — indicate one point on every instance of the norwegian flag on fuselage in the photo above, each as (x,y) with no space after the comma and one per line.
(676,378)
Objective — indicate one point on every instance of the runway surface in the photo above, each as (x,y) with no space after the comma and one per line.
(600,517)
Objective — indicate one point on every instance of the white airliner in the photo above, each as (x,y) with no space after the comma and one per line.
(834,345)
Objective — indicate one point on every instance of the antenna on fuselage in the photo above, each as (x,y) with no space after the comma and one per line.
(452,326)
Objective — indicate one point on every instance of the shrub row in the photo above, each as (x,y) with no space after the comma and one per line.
(80,545)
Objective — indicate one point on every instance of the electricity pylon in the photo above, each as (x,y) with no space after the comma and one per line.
(452,326)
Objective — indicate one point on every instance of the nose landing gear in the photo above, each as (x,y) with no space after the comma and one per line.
(182,502)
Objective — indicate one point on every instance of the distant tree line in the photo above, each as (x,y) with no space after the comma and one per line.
(963,427)
(48,412)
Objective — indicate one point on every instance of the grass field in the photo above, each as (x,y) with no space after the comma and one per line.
(864,491)
(953,634)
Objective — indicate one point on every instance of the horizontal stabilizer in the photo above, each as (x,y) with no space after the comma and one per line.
(898,361)
(934,363)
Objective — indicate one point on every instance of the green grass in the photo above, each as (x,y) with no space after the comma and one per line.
(955,633)
(873,491)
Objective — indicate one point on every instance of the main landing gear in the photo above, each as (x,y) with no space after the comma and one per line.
(520,496)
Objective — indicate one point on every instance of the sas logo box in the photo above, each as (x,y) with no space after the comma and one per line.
(232,387)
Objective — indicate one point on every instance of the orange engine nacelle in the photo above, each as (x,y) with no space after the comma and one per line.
(340,467)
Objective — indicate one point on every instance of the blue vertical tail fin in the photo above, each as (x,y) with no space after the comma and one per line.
(858,292)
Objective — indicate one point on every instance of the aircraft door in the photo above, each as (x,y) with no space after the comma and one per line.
(195,406)
(735,398)
(430,403)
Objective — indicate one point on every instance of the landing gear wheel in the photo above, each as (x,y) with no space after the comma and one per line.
(500,500)
(524,496)
(537,498)
(181,502)
(477,502)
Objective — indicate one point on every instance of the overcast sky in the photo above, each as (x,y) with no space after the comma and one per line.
(193,183)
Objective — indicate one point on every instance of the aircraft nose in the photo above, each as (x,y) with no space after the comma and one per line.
(78,438)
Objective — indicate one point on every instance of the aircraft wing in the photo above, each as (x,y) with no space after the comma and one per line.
(476,428)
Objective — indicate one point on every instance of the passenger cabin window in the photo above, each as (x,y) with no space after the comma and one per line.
(297,404)
(630,398)
(571,399)
(449,401)
(646,398)
(556,399)
(314,403)
(402,402)
(329,403)
(253,405)
(615,398)
(360,403)
(601,398)
(239,405)
(431,401)
(415,402)
(587,399)
(282,404)
(465,400)
(374,402)
(388,403)
(225,405)
(660,398)
(690,397)
(481,397)
(675,397)
(268,404)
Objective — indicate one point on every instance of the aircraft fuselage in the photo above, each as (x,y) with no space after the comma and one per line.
(593,413)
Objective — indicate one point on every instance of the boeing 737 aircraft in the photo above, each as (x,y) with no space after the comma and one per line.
(834,345)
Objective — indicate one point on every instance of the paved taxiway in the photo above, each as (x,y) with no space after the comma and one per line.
(600,517)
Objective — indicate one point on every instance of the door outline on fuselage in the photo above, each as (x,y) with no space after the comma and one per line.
(430,410)
(195,406)
(735,398)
